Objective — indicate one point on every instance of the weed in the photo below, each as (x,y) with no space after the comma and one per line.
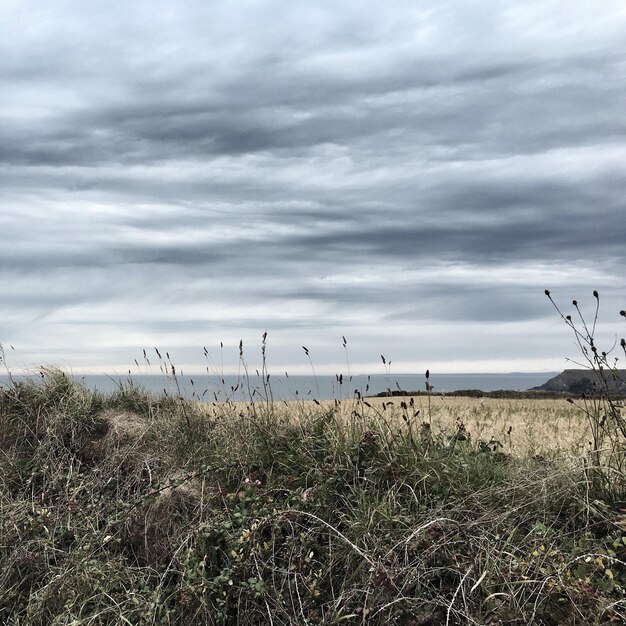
(602,405)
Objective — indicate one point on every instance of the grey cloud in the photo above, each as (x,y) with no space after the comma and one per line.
(467,303)
(265,110)
(511,240)
(169,255)
(427,300)
(220,154)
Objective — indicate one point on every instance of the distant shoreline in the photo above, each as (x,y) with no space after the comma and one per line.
(507,394)
(570,383)
(213,387)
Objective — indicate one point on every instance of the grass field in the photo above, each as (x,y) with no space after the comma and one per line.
(520,427)
(129,509)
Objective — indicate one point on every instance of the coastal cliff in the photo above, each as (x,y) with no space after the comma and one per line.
(579,381)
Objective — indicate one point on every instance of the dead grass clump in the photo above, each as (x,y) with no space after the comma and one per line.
(118,434)
(163,523)
(124,426)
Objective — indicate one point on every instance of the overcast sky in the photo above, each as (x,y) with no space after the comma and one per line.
(410,175)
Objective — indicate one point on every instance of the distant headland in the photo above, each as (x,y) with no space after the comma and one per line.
(578,381)
(569,383)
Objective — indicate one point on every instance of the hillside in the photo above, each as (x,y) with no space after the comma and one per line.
(582,381)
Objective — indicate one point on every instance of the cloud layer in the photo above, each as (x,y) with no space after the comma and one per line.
(411,176)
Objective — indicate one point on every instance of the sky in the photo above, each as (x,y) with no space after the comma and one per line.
(408,175)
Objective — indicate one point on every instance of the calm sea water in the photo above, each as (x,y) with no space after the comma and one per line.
(308,387)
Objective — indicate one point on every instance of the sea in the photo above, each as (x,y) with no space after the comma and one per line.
(216,388)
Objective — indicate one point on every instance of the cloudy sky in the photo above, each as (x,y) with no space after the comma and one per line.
(410,175)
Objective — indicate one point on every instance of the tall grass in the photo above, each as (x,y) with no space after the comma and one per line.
(130,509)
(603,405)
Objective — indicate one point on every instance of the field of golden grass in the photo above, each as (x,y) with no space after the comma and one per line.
(519,426)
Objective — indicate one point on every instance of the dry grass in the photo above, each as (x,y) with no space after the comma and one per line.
(298,514)
(522,426)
